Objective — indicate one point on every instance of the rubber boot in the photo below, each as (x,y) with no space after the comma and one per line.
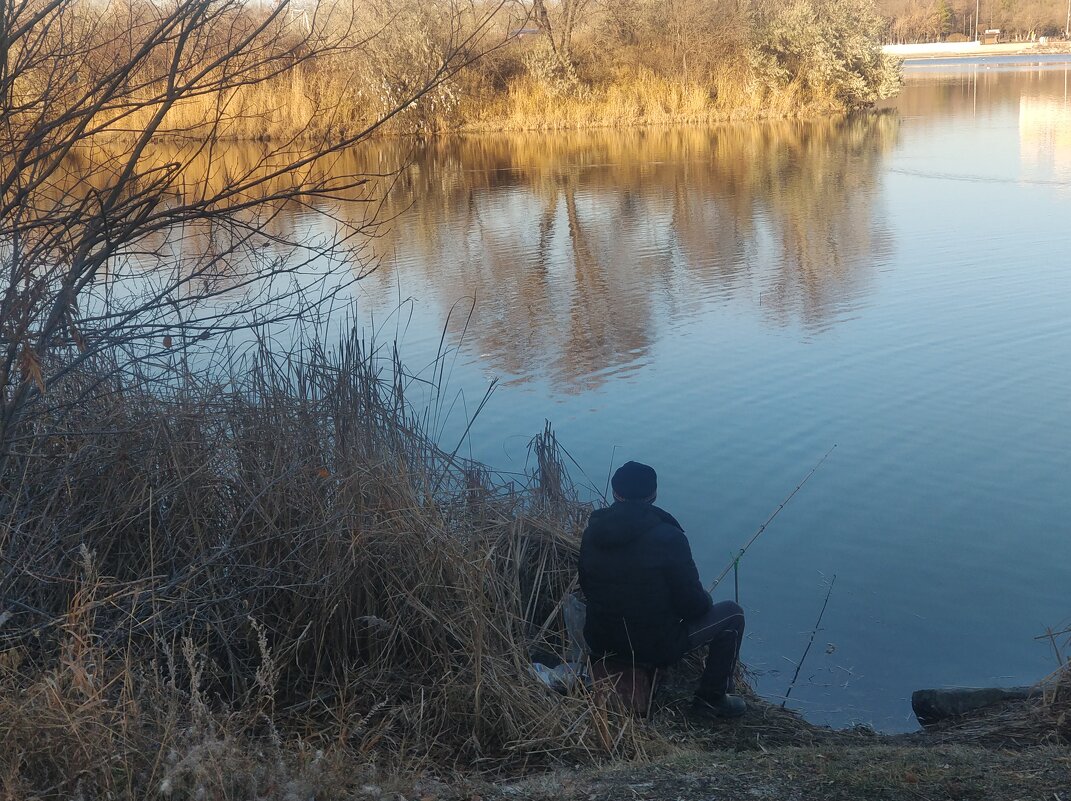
(718,705)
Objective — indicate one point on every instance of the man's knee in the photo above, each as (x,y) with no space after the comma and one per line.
(728,609)
(731,613)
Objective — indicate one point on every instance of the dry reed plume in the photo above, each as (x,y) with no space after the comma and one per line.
(194,577)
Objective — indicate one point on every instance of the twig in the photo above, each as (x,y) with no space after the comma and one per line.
(736,579)
(810,642)
(1056,648)
(1049,634)
(609,471)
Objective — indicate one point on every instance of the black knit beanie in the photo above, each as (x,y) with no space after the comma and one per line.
(635,482)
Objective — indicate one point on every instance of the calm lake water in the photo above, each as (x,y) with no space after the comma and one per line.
(728,303)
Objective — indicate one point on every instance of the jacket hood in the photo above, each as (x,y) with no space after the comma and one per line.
(624,522)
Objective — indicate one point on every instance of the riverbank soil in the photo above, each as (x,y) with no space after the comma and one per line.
(1001,753)
(876,771)
(1018,750)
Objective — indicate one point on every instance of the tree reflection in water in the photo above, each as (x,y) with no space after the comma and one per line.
(581,247)
(576,245)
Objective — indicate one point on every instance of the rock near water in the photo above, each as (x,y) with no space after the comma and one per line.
(933,706)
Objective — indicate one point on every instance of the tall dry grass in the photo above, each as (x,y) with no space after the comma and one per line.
(319,102)
(642,97)
(193,578)
(285,590)
(319,105)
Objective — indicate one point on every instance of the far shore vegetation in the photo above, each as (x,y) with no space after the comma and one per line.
(329,70)
(916,21)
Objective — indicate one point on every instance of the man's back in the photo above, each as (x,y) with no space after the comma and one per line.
(640,582)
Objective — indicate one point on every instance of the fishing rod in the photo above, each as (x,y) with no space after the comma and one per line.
(736,560)
(810,642)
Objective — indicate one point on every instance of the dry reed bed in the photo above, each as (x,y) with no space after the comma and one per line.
(316,106)
(642,98)
(343,72)
(1045,719)
(193,576)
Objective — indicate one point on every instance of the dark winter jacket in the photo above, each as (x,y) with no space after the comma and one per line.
(637,573)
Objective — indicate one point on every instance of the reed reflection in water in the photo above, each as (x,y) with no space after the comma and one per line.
(578,247)
(267,248)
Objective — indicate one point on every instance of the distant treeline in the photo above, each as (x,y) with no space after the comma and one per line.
(911,21)
(327,70)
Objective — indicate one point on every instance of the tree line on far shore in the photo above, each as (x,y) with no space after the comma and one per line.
(332,68)
(581,63)
(912,21)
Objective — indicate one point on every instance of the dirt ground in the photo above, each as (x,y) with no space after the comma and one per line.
(830,766)
(878,770)
(1018,752)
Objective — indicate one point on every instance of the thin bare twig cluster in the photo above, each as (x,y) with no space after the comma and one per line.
(110,241)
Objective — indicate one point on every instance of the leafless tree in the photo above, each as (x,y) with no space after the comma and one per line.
(926,20)
(560,23)
(125,228)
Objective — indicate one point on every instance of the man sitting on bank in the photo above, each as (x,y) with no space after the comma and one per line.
(645,602)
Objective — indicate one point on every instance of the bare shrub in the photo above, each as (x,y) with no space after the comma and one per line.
(107,242)
(686,60)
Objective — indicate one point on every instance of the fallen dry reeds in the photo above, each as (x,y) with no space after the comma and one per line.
(285,564)
(1044,718)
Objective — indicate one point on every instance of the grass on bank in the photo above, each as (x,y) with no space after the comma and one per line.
(313,105)
(639,99)
(221,588)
